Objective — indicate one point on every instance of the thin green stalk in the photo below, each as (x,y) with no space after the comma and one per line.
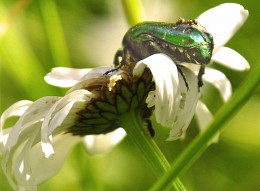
(55,34)
(199,144)
(133,124)
(133,11)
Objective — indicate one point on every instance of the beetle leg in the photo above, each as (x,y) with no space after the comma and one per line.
(184,77)
(201,72)
(117,61)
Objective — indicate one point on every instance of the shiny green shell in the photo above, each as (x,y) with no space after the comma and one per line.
(182,42)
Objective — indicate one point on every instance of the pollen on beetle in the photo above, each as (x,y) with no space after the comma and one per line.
(112,81)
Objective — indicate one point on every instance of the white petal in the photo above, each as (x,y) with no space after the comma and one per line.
(60,116)
(4,138)
(43,168)
(93,76)
(47,148)
(220,81)
(25,165)
(223,21)
(231,59)
(61,109)
(17,109)
(187,105)
(22,166)
(65,77)
(204,118)
(166,79)
(13,164)
(100,72)
(101,144)
(203,115)
(33,114)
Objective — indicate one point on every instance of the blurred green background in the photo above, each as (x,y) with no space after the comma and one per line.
(86,33)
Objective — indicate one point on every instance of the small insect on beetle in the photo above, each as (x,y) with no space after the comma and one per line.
(187,22)
(182,41)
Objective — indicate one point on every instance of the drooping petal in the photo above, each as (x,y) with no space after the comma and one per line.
(101,144)
(58,113)
(167,90)
(231,59)
(65,77)
(187,105)
(3,140)
(38,121)
(96,75)
(100,72)
(25,165)
(22,163)
(223,21)
(34,113)
(219,81)
(17,109)
(20,139)
(43,168)
(204,117)
(13,165)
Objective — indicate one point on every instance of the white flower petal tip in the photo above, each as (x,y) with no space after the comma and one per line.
(231,59)
(204,118)
(223,21)
(65,77)
(102,144)
(175,134)
(47,150)
(203,115)
(219,81)
(17,109)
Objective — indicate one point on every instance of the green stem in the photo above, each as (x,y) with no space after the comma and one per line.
(55,34)
(132,10)
(199,144)
(133,124)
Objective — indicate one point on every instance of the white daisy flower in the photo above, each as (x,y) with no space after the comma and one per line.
(35,148)
(222,22)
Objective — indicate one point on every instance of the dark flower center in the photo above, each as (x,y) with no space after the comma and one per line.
(101,115)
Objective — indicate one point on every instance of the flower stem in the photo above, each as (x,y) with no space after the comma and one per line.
(199,144)
(55,33)
(133,124)
(132,10)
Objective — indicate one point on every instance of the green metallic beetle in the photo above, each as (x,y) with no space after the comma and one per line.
(182,41)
